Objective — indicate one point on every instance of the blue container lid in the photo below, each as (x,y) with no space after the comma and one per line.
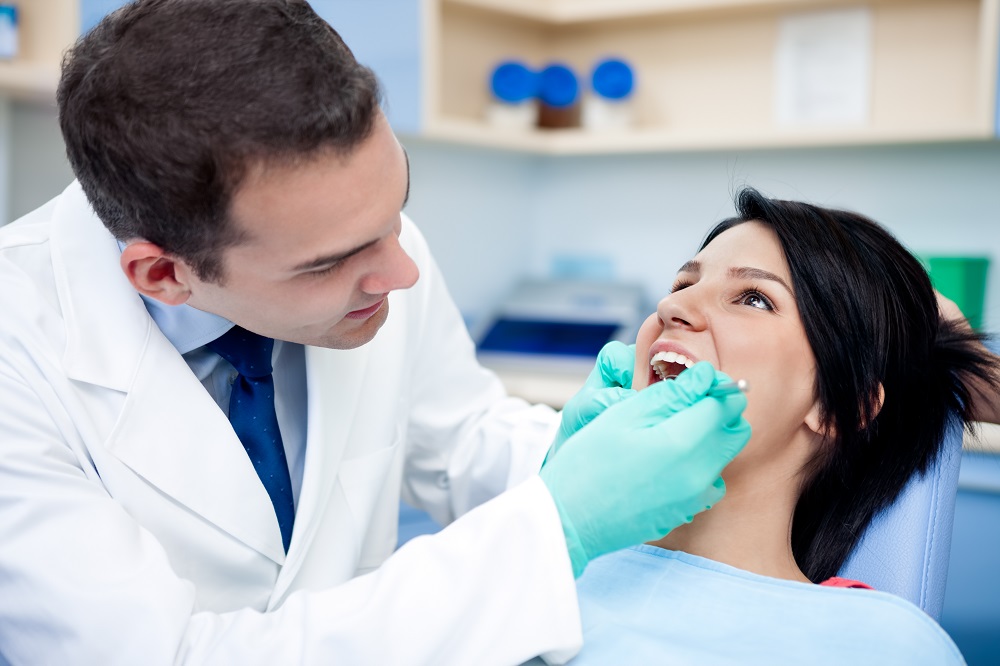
(613,79)
(513,82)
(558,86)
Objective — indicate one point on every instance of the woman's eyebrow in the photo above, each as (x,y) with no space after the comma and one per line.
(690,267)
(749,273)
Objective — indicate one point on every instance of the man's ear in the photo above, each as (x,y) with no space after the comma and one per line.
(155,273)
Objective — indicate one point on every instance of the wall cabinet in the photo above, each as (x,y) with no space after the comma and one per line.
(705,68)
(46,28)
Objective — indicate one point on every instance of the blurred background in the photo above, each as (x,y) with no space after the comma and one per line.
(548,184)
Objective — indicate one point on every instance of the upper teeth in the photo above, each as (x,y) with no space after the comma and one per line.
(661,359)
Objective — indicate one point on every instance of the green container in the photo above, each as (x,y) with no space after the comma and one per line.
(963,280)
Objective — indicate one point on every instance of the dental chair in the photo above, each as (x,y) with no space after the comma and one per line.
(905,550)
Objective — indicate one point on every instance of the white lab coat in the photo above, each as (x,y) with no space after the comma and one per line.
(133,528)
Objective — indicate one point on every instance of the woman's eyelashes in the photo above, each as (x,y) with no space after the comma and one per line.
(754,298)
(680,284)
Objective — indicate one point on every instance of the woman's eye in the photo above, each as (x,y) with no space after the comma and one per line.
(755,299)
(680,284)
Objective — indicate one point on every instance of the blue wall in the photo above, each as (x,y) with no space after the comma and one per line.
(646,214)
(92,11)
(385,35)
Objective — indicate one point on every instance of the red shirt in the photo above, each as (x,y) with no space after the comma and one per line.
(846,582)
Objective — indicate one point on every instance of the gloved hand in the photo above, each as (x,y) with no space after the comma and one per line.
(646,465)
(609,382)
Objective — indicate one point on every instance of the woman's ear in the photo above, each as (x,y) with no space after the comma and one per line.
(814,421)
(875,408)
(154,273)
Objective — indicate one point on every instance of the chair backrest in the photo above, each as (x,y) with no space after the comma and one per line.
(905,550)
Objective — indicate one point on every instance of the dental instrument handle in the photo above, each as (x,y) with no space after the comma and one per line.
(727,388)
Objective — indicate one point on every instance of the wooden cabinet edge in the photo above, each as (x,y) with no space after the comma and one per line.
(32,82)
(560,12)
(581,142)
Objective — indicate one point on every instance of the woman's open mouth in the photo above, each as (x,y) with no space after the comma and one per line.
(667,365)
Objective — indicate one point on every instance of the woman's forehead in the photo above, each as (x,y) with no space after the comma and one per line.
(749,244)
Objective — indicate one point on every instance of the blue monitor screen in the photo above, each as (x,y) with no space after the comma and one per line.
(520,336)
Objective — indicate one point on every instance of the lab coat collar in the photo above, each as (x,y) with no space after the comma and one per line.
(170,431)
(97,299)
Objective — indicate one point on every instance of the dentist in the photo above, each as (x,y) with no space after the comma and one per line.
(226,354)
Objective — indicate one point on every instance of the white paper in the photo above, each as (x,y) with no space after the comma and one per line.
(823,68)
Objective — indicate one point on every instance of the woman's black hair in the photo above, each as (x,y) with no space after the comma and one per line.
(871,318)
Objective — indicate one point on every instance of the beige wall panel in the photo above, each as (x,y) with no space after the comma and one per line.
(47,28)
(692,73)
(472,43)
(926,64)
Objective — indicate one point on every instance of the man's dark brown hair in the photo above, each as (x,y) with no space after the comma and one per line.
(166,104)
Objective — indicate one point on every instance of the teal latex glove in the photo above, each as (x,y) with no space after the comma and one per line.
(646,465)
(609,383)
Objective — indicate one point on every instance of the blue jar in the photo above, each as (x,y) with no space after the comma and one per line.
(608,106)
(514,88)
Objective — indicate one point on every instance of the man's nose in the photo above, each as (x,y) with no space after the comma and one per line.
(396,270)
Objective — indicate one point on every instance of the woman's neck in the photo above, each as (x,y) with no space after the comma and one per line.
(750,528)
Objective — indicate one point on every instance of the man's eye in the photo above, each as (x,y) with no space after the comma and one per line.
(324,271)
(755,299)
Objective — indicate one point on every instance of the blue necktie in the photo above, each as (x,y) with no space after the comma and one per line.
(251,411)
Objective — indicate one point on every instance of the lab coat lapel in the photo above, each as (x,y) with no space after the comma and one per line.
(333,380)
(174,435)
(170,431)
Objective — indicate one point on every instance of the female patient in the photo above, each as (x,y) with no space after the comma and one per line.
(852,383)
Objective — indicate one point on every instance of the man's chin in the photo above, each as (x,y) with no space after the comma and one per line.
(348,334)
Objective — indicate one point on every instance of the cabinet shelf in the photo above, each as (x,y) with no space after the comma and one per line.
(706,71)
(665,140)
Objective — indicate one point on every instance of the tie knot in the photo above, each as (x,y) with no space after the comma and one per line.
(248,352)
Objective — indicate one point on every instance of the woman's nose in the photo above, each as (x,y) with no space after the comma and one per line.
(681,309)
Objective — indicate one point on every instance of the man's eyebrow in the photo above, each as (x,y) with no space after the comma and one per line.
(320,262)
(749,273)
(330,259)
